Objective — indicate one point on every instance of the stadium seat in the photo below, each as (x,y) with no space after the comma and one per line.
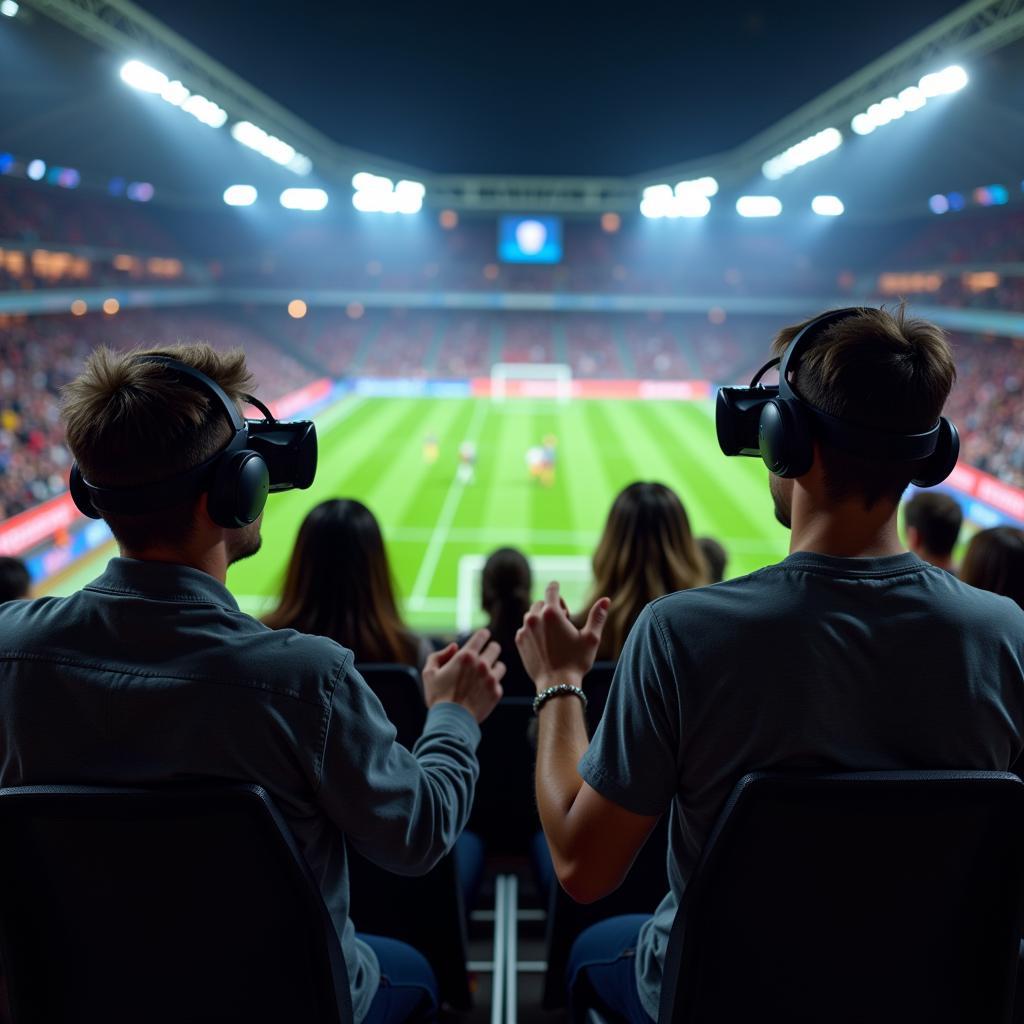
(399,689)
(427,912)
(884,896)
(505,808)
(164,905)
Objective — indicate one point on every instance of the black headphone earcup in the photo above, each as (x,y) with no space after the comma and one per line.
(238,492)
(80,494)
(784,438)
(942,461)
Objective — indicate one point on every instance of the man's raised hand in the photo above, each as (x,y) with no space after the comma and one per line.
(553,650)
(470,675)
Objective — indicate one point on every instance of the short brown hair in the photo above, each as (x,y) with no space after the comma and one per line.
(877,369)
(132,422)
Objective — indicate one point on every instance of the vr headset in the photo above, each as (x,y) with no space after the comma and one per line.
(263,456)
(777,425)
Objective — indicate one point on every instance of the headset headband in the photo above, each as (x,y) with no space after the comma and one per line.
(840,433)
(145,498)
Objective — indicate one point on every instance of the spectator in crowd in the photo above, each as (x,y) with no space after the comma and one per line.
(646,550)
(505,589)
(994,561)
(15,581)
(339,585)
(715,556)
(216,694)
(933,522)
(851,652)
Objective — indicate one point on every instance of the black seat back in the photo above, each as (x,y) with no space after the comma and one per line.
(128,905)
(399,689)
(426,912)
(883,897)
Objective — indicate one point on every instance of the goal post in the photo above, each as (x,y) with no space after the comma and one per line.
(573,572)
(531,380)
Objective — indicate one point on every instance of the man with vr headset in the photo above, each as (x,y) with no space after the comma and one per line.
(152,675)
(850,654)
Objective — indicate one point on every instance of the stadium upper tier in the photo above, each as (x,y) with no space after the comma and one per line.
(54,238)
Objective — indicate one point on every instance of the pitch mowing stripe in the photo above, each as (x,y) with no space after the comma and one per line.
(446,516)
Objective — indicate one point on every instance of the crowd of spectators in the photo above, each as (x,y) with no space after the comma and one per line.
(38,355)
(987,404)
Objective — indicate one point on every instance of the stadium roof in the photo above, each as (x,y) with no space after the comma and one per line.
(72,109)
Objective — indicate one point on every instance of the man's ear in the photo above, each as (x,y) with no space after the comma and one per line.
(203,520)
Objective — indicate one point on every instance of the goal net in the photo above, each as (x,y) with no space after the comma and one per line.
(531,380)
(573,572)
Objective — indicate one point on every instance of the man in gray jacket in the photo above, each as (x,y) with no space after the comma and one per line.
(151,674)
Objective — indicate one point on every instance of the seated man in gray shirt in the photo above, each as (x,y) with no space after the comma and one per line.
(850,654)
(152,675)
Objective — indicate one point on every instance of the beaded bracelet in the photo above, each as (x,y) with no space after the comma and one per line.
(558,691)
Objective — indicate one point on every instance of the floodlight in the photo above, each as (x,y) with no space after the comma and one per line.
(36,169)
(758,206)
(273,148)
(801,153)
(240,195)
(690,205)
(144,78)
(892,108)
(706,186)
(9,8)
(175,93)
(827,206)
(862,124)
(912,98)
(941,83)
(375,193)
(310,199)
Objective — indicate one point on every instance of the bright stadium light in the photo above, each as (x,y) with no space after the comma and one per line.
(270,146)
(240,195)
(310,199)
(36,169)
(146,79)
(811,148)
(758,206)
(9,8)
(688,199)
(914,97)
(827,206)
(706,186)
(375,193)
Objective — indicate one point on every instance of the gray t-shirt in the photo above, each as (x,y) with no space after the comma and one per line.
(152,675)
(816,663)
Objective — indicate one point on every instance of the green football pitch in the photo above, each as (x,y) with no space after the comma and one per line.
(438,530)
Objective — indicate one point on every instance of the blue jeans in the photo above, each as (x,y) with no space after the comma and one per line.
(408,988)
(602,970)
(469,866)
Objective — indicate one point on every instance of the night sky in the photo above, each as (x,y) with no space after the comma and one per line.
(545,88)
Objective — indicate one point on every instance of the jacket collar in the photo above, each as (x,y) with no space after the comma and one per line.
(162,581)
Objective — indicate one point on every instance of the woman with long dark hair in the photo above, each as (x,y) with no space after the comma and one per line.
(339,585)
(505,597)
(647,550)
(994,561)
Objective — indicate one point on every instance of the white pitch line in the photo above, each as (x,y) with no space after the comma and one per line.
(444,521)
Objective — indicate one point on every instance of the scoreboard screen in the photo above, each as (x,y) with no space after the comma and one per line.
(530,239)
